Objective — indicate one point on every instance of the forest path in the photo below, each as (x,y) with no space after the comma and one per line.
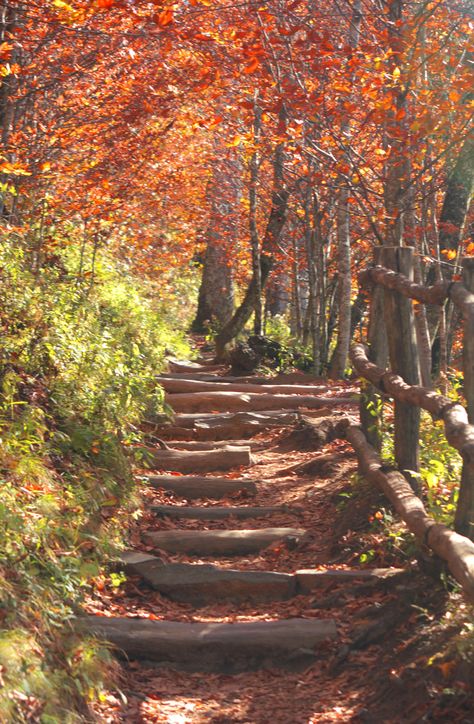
(246,599)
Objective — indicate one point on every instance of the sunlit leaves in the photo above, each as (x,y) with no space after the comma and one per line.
(14,169)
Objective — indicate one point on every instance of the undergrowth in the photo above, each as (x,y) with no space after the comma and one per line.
(439,475)
(78,362)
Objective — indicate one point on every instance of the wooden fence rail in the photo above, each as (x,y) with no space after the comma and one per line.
(393,274)
(455,549)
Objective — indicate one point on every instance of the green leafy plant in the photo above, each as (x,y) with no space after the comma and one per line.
(440,471)
(78,366)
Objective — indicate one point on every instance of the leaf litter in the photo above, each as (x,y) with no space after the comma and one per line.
(344,684)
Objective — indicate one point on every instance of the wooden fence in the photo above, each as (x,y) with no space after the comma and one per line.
(391,333)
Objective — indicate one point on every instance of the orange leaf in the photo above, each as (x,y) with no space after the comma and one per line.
(252,66)
(215,121)
(202,36)
(165,17)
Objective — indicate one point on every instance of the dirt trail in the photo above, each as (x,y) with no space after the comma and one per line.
(365,671)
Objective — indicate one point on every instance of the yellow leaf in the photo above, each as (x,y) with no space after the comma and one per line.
(14,169)
(235,142)
(449,253)
(63,6)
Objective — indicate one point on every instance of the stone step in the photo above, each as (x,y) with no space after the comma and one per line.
(226,648)
(201,584)
(223,542)
(219,513)
(195,486)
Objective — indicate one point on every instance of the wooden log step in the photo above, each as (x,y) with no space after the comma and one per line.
(216,647)
(252,402)
(202,461)
(194,486)
(211,419)
(290,378)
(309,580)
(213,445)
(188,385)
(200,584)
(219,513)
(188,366)
(226,426)
(223,542)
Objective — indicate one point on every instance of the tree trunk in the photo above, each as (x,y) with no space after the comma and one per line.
(277,293)
(341,352)
(457,198)
(275,224)
(253,226)
(216,293)
(396,172)
(8,84)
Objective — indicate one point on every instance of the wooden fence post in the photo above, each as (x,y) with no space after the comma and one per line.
(468,342)
(370,408)
(403,352)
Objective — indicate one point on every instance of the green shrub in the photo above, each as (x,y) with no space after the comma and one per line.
(78,365)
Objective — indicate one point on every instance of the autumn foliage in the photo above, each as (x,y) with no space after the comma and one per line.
(110,110)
